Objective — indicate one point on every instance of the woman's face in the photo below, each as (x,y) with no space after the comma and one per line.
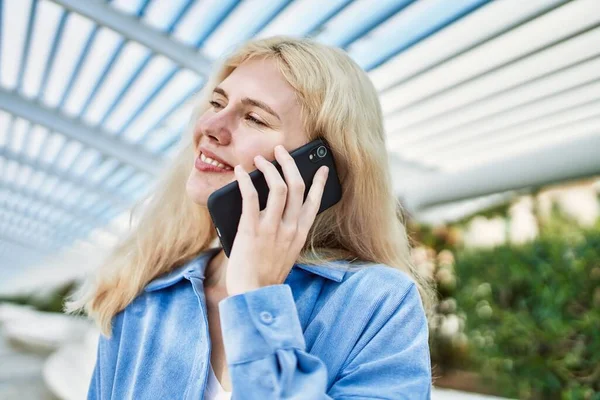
(253,110)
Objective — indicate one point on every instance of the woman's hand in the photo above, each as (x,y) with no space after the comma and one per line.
(268,242)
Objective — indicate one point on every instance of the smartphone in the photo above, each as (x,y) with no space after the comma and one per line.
(225,204)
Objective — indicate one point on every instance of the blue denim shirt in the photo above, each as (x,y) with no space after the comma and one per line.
(341,333)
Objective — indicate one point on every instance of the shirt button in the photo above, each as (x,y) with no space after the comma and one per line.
(266,317)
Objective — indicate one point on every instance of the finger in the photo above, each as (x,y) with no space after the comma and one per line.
(295,185)
(277,191)
(250,208)
(313,201)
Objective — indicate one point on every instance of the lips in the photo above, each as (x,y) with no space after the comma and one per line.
(208,158)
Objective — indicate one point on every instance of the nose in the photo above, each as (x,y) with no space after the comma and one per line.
(216,129)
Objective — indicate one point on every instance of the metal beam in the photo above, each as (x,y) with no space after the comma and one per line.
(27,45)
(524,16)
(9,244)
(67,177)
(12,253)
(28,226)
(369,26)
(318,26)
(24,243)
(575,159)
(74,210)
(133,29)
(432,26)
(60,228)
(51,60)
(12,260)
(91,137)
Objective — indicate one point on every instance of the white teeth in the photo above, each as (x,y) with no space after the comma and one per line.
(215,163)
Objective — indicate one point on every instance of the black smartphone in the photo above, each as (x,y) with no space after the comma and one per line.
(225,204)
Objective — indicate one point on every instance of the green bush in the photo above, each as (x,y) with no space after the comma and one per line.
(533,315)
(51,302)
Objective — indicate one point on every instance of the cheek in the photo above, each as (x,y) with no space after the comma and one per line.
(248,149)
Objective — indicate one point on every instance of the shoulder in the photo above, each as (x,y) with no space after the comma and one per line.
(374,292)
(384,299)
(378,280)
(376,308)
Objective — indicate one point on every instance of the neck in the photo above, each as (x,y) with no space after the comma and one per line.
(216,272)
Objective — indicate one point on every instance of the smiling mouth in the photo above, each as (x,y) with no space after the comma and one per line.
(214,163)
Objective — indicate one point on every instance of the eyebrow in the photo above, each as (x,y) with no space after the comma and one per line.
(250,102)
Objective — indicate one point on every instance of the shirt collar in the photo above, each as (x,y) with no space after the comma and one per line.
(334,271)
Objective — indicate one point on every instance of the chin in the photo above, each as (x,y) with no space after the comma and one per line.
(199,186)
(197,194)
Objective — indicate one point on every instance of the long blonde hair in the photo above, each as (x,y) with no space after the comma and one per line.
(338,103)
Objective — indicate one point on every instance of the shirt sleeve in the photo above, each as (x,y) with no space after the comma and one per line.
(107,354)
(267,358)
(94,390)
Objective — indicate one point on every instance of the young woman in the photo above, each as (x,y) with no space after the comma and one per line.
(305,307)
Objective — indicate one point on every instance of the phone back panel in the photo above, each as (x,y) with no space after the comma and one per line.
(225,204)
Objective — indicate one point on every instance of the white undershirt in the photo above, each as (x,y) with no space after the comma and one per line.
(214,390)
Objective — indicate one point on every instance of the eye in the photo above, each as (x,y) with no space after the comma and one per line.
(255,121)
(215,104)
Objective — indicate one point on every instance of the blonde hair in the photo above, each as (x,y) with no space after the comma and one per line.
(338,103)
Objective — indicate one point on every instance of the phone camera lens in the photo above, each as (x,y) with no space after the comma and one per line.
(322,151)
